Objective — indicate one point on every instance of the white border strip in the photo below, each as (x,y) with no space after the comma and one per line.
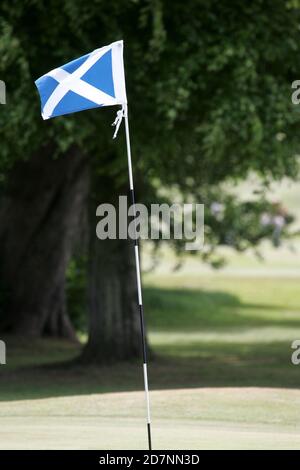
(118,71)
(138,273)
(147,392)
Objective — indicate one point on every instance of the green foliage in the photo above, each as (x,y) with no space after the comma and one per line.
(245,224)
(230,220)
(208,84)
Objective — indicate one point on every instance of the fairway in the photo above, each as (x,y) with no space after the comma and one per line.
(149,228)
(225,418)
(220,374)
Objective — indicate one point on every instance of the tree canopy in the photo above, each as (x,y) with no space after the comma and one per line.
(209,92)
(208,84)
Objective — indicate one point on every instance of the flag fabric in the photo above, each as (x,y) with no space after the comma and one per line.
(94,80)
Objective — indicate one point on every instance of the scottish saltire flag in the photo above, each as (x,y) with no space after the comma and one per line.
(94,80)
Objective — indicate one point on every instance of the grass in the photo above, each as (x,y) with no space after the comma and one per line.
(233,333)
(221,377)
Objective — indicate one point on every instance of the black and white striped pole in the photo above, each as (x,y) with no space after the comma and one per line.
(138,276)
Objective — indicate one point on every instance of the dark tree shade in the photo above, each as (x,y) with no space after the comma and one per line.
(208,83)
(209,87)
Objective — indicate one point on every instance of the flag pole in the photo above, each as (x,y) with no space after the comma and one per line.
(138,276)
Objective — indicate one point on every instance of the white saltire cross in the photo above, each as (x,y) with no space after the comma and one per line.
(73,82)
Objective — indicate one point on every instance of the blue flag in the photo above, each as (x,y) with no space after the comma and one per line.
(94,80)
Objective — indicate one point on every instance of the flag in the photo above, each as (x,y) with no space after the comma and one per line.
(94,80)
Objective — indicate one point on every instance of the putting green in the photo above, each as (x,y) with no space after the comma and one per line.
(221,377)
(208,418)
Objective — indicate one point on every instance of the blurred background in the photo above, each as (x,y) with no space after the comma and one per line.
(212,121)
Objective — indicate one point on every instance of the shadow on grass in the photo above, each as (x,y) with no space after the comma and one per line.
(190,309)
(47,368)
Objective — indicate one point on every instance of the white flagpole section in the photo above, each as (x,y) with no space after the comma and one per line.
(138,278)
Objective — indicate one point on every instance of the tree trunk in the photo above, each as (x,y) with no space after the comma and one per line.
(114,324)
(39,221)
